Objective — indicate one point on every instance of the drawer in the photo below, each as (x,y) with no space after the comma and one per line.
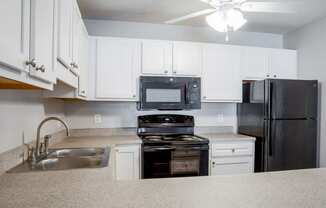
(223,149)
(231,165)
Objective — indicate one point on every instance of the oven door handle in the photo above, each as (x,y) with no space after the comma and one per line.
(155,149)
(194,148)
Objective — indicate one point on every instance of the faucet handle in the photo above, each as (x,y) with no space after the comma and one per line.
(45,146)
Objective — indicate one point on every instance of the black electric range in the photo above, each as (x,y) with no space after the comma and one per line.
(170,148)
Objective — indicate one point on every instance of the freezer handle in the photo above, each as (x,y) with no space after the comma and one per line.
(270,137)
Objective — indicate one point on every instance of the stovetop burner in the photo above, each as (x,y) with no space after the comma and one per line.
(173,139)
(168,129)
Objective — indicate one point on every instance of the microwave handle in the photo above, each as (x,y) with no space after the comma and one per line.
(187,98)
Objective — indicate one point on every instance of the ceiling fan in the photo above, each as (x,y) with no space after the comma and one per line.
(227,15)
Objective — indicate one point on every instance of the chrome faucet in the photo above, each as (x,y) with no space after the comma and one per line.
(38,152)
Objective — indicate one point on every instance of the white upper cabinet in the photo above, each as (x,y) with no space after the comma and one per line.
(14,33)
(42,39)
(77,35)
(255,63)
(267,63)
(283,64)
(187,59)
(221,78)
(65,18)
(118,67)
(83,62)
(156,57)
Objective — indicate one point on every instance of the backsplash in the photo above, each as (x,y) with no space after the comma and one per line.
(21,112)
(81,115)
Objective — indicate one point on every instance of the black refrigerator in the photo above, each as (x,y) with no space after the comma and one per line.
(282,115)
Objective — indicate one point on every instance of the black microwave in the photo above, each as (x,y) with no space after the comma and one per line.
(169,93)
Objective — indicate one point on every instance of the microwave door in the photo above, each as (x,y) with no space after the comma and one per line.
(163,96)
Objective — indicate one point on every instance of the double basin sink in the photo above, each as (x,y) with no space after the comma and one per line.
(68,158)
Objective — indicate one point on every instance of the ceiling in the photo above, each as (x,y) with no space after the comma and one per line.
(159,11)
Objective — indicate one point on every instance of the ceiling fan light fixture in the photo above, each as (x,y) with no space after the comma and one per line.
(235,19)
(217,21)
(224,21)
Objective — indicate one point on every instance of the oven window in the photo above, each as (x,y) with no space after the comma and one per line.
(163,95)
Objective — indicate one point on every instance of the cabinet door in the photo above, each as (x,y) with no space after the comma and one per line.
(42,39)
(283,64)
(127,162)
(255,63)
(221,73)
(14,33)
(118,67)
(84,62)
(156,57)
(65,32)
(77,35)
(231,165)
(187,59)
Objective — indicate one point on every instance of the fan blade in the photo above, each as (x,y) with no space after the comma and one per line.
(189,16)
(269,7)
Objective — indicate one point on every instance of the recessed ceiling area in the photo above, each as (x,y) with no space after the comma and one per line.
(159,11)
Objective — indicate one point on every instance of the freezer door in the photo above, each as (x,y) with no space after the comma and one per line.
(291,145)
(292,99)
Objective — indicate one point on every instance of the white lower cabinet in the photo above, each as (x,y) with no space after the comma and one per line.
(234,157)
(231,165)
(127,162)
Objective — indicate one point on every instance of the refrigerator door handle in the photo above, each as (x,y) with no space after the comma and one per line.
(270,129)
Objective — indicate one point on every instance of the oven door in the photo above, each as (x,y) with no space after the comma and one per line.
(175,161)
(162,93)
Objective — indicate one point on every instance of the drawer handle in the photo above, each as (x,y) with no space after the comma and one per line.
(234,163)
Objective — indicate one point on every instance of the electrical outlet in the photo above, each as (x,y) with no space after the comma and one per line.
(220,118)
(97,118)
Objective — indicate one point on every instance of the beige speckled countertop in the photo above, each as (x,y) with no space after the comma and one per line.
(214,137)
(97,141)
(94,189)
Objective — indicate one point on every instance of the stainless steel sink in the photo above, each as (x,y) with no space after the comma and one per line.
(68,158)
(76,152)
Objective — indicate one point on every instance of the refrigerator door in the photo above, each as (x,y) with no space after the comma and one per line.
(292,99)
(291,145)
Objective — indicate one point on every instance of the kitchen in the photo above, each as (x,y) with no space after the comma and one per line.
(125,87)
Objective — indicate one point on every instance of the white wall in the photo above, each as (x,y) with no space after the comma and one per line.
(21,112)
(124,114)
(181,33)
(310,41)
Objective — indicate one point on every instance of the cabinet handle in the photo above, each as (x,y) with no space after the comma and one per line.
(268,76)
(40,68)
(166,71)
(174,72)
(32,63)
(74,65)
(133,96)
(274,76)
(204,97)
